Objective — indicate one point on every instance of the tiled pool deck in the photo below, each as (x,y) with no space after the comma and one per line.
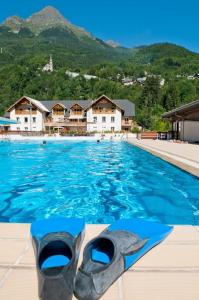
(169,271)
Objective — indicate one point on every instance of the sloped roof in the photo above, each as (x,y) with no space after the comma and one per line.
(183,110)
(127,106)
(37,103)
(67,103)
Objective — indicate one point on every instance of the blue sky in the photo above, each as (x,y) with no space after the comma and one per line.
(130,22)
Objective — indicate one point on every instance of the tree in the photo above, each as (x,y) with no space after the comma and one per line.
(151,92)
(172,97)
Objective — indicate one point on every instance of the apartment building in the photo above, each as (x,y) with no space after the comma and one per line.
(100,115)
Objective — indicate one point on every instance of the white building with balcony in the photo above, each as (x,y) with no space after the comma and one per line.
(100,115)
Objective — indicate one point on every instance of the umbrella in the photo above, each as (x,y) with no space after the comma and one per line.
(5,121)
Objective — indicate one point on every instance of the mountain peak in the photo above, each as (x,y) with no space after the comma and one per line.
(14,22)
(50,9)
(47,18)
(48,12)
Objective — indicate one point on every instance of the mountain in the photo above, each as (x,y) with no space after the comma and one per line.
(15,23)
(26,44)
(152,53)
(48,32)
(48,17)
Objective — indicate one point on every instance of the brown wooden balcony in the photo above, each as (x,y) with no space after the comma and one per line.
(76,113)
(127,123)
(104,111)
(58,113)
(25,112)
(65,123)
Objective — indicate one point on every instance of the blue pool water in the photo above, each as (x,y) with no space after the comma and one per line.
(101,182)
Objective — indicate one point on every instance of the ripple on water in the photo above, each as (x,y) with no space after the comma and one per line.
(100,182)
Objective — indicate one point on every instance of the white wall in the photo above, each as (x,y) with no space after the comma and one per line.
(38,126)
(191,131)
(99,126)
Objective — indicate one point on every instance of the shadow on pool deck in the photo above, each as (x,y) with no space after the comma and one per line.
(169,271)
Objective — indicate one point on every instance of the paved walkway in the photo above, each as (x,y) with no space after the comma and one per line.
(185,156)
(169,271)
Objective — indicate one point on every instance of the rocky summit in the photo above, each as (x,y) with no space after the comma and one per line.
(47,18)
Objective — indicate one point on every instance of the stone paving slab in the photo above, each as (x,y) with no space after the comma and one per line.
(186,151)
(160,286)
(169,271)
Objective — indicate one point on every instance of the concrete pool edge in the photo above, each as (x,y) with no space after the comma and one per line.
(187,165)
(174,263)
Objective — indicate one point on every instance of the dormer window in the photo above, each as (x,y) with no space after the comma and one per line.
(58,110)
(76,109)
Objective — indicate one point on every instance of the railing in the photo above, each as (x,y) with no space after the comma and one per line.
(25,112)
(127,122)
(24,133)
(55,121)
(77,134)
(76,124)
(58,113)
(65,123)
(78,113)
(41,133)
(103,111)
(76,116)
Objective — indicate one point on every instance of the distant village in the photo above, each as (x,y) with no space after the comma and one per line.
(126,81)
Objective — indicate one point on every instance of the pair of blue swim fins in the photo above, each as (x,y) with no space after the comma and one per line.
(57,244)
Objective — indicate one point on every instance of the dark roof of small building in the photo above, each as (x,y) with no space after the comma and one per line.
(67,103)
(127,106)
(183,110)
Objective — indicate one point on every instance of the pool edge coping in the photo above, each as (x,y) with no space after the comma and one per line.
(170,158)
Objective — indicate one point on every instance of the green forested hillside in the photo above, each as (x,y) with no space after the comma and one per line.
(66,48)
(26,49)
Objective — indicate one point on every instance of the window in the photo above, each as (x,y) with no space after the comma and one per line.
(77,110)
(112,119)
(126,120)
(34,119)
(18,119)
(95,119)
(18,129)
(26,128)
(58,110)
(103,119)
(112,129)
(26,120)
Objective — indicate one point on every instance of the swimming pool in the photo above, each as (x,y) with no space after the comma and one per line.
(101,182)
